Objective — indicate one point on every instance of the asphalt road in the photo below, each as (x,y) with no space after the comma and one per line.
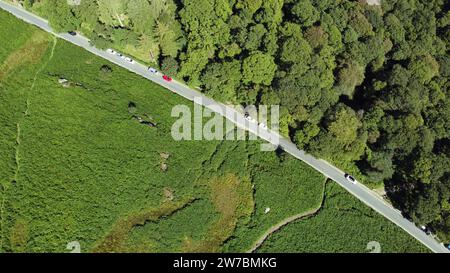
(360,191)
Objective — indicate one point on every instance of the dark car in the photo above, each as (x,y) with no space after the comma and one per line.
(426,230)
(407,217)
(73,33)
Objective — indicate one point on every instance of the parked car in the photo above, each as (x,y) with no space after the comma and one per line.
(128,59)
(73,33)
(426,230)
(262,125)
(350,178)
(407,217)
(167,78)
(153,70)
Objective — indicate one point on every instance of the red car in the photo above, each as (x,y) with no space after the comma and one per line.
(167,78)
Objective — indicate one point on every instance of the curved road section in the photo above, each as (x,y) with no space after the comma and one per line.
(360,191)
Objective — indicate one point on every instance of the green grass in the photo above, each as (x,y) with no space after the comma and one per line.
(344,224)
(20,32)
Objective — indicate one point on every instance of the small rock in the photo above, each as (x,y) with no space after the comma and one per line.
(65,83)
(168,194)
(164,155)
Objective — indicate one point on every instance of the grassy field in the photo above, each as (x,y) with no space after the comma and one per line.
(344,224)
(76,165)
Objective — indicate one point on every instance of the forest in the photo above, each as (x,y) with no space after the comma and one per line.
(365,87)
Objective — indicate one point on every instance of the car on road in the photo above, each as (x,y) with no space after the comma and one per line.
(111,51)
(350,178)
(153,70)
(73,33)
(262,125)
(426,230)
(167,78)
(128,59)
(407,217)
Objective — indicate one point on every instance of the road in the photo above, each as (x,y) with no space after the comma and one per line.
(359,191)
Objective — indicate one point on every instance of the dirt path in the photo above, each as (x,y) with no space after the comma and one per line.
(286,221)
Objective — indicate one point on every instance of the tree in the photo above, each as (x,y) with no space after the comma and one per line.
(221,80)
(60,16)
(316,36)
(170,66)
(206,32)
(112,12)
(350,75)
(424,68)
(254,37)
(259,68)
(381,166)
(305,13)
(342,138)
(169,39)
(295,49)
(250,6)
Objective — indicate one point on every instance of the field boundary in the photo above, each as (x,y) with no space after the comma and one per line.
(289,220)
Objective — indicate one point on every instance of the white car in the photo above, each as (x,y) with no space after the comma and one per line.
(110,51)
(128,59)
(426,230)
(262,125)
(351,179)
(153,70)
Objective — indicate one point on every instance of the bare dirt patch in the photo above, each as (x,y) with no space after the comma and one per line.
(30,53)
(233,199)
(115,240)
